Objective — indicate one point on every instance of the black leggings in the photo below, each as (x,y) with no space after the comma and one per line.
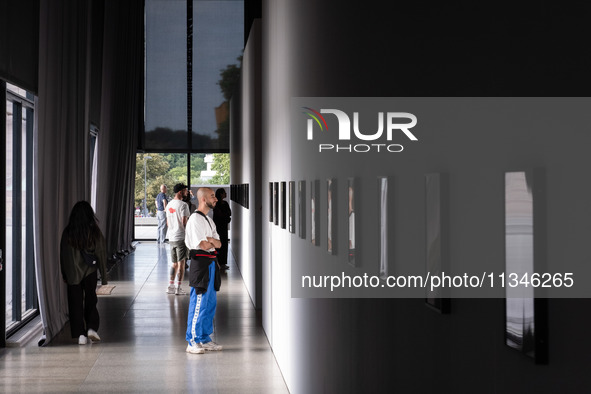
(82,306)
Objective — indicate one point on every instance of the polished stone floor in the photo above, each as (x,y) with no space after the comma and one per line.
(143,342)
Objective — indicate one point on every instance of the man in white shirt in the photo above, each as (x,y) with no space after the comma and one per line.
(177,214)
(202,239)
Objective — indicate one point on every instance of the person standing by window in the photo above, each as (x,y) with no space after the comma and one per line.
(221,218)
(83,234)
(161,201)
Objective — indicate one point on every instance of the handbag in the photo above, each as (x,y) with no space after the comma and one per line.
(89,258)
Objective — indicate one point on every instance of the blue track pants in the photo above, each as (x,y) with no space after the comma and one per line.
(201,312)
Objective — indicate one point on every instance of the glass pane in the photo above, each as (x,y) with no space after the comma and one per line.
(23,196)
(28,244)
(152,171)
(21,295)
(93,168)
(198,165)
(9,178)
(16,90)
(218,40)
(166,74)
(210,169)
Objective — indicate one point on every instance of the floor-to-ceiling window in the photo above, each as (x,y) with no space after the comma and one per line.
(152,171)
(156,169)
(193,61)
(19,258)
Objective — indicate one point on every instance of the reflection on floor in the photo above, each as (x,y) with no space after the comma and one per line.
(143,342)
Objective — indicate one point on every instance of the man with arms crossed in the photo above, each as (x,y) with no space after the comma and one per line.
(177,214)
(204,275)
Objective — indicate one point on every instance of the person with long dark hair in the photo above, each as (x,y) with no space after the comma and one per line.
(221,218)
(83,234)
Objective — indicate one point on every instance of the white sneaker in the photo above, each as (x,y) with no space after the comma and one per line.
(170,289)
(94,337)
(211,346)
(195,349)
(179,291)
(82,340)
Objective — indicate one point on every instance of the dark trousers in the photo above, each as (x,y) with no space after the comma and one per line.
(82,306)
(223,251)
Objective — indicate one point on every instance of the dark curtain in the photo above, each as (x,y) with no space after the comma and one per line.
(66,79)
(61,145)
(121,119)
(19,42)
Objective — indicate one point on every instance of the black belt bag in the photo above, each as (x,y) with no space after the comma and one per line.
(199,270)
(194,253)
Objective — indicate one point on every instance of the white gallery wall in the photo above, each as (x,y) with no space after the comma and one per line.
(246,167)
(352,49)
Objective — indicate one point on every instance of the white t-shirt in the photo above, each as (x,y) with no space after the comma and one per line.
(175,210)
(198,230)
